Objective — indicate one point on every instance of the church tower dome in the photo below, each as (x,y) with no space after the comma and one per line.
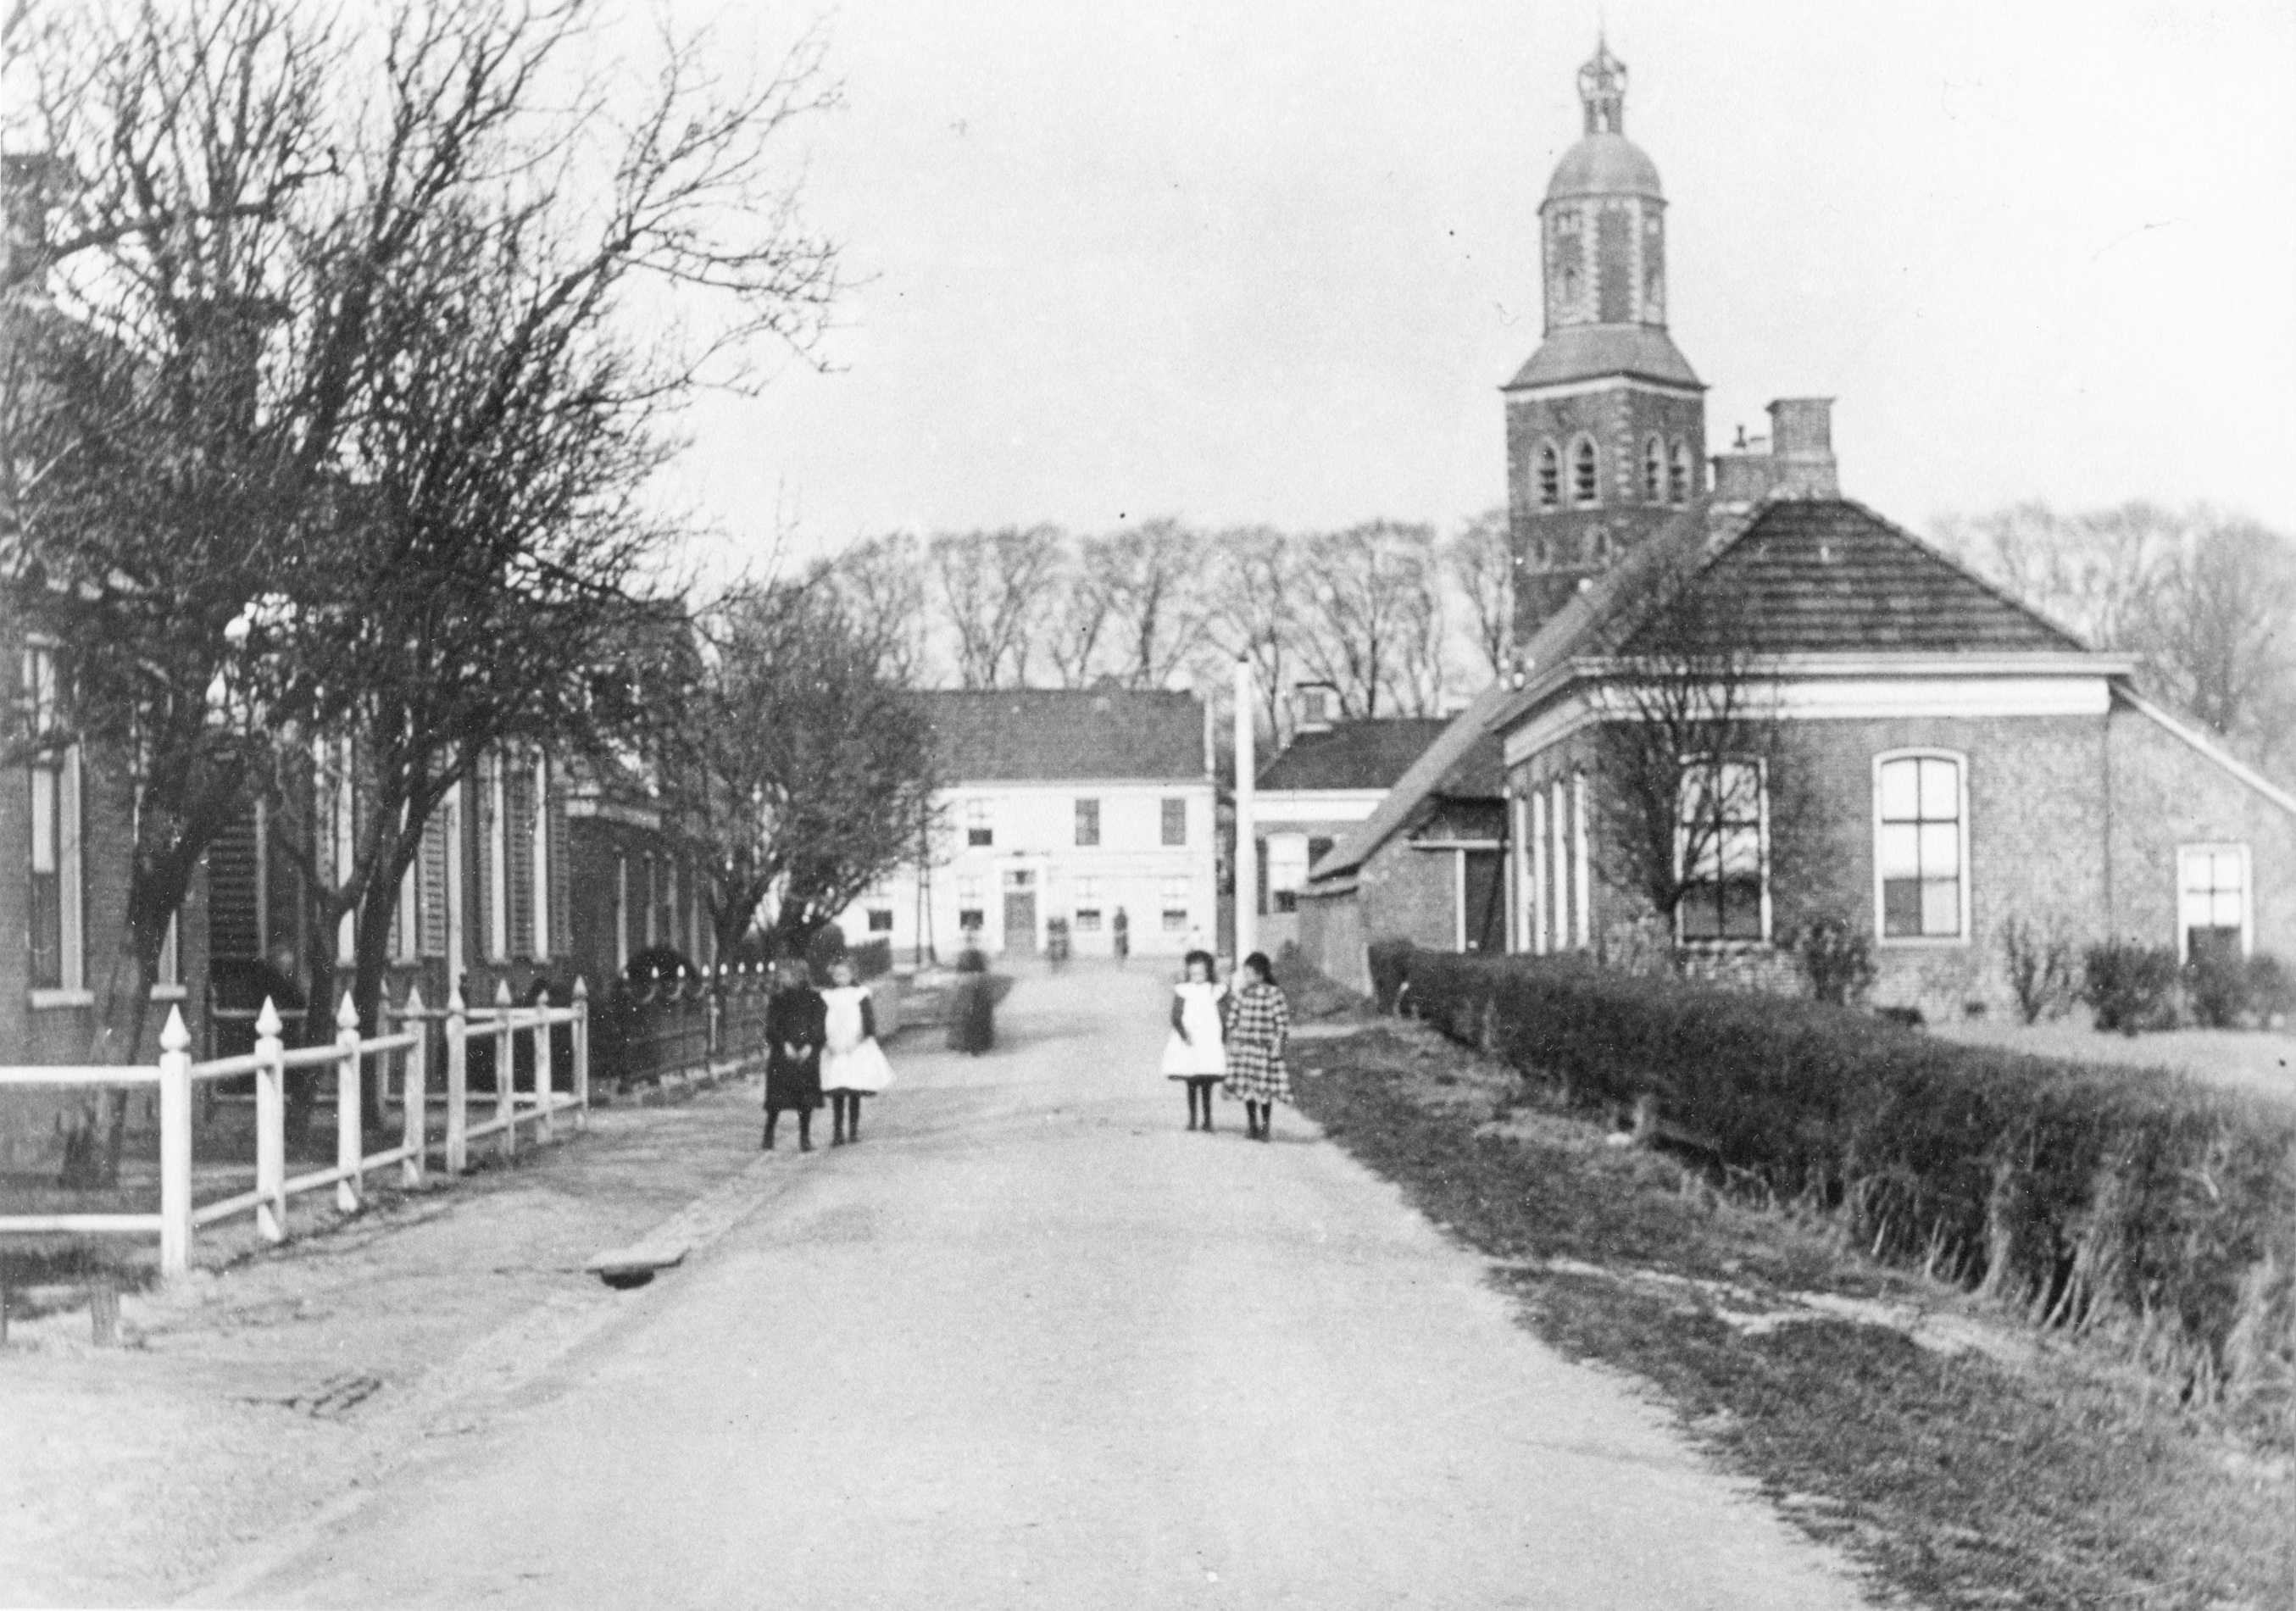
(1606,422)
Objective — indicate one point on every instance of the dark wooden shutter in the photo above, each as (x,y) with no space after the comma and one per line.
(234,929)
(518,805)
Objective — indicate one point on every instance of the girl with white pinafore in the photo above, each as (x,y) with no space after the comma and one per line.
(1195,1051)
(852,1063)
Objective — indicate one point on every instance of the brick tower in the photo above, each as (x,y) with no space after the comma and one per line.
(1606,424)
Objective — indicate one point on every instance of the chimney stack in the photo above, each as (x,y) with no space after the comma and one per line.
(1800,462)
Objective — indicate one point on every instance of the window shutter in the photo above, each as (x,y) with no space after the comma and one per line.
(562,881)
(431,886)
(518,808)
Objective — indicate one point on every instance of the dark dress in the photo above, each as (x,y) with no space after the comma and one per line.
(974,1026)
(795,1017)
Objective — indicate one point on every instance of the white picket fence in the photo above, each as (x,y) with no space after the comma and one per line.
(177,1076)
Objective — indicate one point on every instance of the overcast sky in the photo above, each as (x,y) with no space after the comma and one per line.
(1271,261)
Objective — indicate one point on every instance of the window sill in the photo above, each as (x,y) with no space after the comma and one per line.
(45,999)
(1919,942)
(170,992)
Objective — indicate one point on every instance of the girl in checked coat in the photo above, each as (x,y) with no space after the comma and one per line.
(1259,1023)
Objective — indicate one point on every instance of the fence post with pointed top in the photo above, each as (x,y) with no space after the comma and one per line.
(543,1076)
(175,1146)
(414,1092)
(506,1070)
(351,1139)
(458,1082)
(581,1054)
(270,1127)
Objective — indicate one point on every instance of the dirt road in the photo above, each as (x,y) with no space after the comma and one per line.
(1034,1343)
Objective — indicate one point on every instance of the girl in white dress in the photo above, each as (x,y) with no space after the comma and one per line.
(852,1063)
(1195,1052)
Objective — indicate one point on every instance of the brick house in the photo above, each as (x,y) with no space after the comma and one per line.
(1946,760)
(1069,805)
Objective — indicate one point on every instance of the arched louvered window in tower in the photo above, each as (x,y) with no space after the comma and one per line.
(1585,482)
(1550,476)
(1654,470)
(1678,486)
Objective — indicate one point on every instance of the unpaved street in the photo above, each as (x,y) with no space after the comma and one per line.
(1032,1343)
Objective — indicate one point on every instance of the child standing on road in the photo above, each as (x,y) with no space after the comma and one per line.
(1194,1052)
(793,1034)
(1259,1023)
(852,1063)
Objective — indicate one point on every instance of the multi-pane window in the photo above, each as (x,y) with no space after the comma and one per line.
(980,824)
(1088,821)
(1175,821)
(1721,840)
(1679,476)
(1920,846)
(1550,476)
(881,919)
(1087,892)
(1654,470)
(1176,905)
(969,913)
(2211,900)
(1585,482)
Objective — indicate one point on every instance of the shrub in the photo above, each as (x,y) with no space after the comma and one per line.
(1389,960)
(2040,968)
(2271,986)
(872,958)
(2131,987)
(1839,962)
(2216,984)
(2089,1197)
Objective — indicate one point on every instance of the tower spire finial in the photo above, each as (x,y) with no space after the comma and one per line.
(1603,89)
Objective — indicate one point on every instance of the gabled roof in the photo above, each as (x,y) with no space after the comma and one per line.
(1466,754)
(1054,735)
(1368,754)
(1830,577)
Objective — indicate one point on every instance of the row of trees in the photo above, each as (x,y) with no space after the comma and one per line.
(330,406)
(1402,622)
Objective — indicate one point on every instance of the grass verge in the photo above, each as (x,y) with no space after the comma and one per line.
(1965,1464)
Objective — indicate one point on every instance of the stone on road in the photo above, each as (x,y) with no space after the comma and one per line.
(1033,1342)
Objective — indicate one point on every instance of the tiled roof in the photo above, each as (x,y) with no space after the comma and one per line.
(1581,352)
(1050,735)
(1830,577)
(1453,754)
(1369,754)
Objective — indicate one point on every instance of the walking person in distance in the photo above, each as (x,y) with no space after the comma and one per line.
(973,1030)
(1259,1023)
(852,1063)
(1122,932)
(796,1028)
(1193,1052)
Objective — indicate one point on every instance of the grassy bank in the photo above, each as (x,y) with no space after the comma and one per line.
(1967,1463)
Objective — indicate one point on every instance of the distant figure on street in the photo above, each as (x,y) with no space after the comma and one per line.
(1193,1052)
(1259,1023)
(852,1063)
(796,1026)
(973,1029)
(1122,929)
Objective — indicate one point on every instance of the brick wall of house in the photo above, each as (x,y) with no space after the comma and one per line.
(1406,894)
(2163,794)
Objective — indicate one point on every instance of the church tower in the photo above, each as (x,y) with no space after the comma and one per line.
(1606,424)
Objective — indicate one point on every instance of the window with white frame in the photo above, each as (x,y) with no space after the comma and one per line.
(881,919)
(979,823)
(1920,849)
(1175,821)
(1287,869)
(2212,911)
(1176,905)
(53,779)
(1085,892)
(1719,843)
(969,913)
(1088,821)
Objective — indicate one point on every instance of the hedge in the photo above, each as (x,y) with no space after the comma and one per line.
(2132,1201)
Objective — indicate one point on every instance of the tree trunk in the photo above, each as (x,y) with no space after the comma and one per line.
(95,1133)
(371,938)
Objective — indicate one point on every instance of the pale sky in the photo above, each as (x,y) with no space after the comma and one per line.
(1271,261)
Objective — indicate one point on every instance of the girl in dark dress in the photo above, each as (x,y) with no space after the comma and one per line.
(797,1025)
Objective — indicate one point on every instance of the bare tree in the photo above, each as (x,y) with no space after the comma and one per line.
(1158,611)
(881,583)
(1259,610)
(993,588)
(819,774)
(1363,606)
(1481,561)
(1078,619)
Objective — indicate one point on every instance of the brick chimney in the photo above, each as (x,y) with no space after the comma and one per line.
(1796,460)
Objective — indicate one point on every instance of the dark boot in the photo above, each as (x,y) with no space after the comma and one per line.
(804,1131)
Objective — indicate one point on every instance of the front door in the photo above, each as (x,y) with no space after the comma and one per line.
(1020,920)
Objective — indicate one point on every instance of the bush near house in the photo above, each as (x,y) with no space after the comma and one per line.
(2130,986)
(2092,1198)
